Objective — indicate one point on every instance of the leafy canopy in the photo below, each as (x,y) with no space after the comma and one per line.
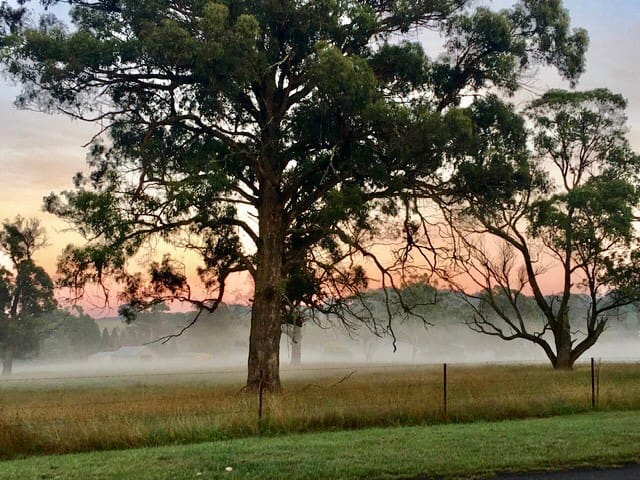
(316,117)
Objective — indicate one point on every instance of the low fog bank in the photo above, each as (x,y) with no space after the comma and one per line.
(219,343)
(451,344)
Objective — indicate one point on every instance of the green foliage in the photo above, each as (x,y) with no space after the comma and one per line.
(591,214)
(488,45)
(571,200)
(498,165)
(11,18)
(26,291)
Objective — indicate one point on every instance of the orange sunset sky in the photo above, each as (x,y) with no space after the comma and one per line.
(40,153)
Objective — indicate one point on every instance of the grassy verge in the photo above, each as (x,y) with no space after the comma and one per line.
(474,450)
(109,414)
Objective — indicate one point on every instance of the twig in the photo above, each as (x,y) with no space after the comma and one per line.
(166,338)
(344,379)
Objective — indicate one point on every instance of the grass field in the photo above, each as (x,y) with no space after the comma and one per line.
(73,415)
(476,450)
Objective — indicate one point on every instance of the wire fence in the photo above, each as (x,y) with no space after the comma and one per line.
(157,408)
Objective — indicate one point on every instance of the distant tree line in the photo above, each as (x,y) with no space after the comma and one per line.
(72,335)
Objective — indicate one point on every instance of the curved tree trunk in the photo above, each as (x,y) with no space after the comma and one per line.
(264,338)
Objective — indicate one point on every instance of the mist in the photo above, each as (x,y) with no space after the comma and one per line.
(218,344)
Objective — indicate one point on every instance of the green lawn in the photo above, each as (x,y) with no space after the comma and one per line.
(456,450)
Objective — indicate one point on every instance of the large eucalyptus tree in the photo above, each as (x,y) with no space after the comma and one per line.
(276,135)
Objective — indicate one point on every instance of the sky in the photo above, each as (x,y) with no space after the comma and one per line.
(40,153)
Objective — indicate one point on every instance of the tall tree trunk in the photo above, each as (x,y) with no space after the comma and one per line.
(296,345)
(264,338)
(562,336)
(7,361)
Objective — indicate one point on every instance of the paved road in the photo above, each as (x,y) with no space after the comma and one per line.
(631,472)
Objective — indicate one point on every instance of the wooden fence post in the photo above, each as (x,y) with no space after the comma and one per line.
(444,390)
(593,384)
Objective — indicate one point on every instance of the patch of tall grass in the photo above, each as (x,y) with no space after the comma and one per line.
(109,415)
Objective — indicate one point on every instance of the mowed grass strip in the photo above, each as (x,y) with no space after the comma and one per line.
(477,450)
(109,415)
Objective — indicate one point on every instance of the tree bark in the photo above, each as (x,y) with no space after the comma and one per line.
(296,345)
(7,361)
(264,338)
(564,360)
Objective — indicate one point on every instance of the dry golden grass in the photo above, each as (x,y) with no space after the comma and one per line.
(107,413)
